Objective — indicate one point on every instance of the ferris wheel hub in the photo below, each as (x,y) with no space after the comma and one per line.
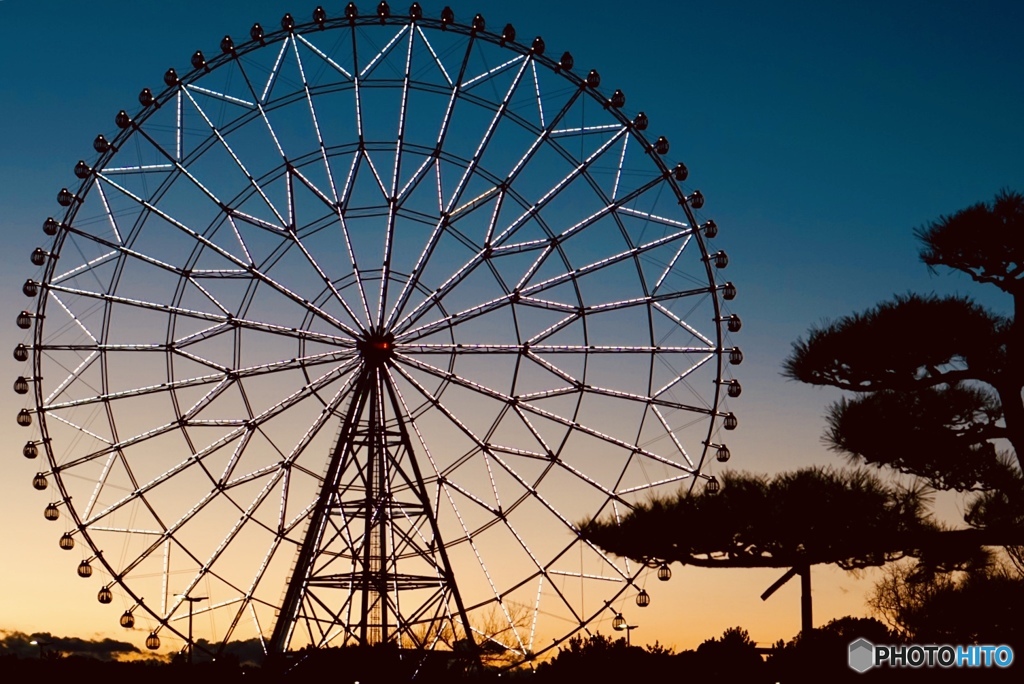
(376,348)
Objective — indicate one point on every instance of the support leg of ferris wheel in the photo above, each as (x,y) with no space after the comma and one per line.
(382,446)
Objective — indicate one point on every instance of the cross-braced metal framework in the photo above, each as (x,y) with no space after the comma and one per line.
(350,326)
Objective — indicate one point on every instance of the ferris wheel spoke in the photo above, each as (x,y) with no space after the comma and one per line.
(456,318)
(313,116)
(616,394)
(444,226)
(165,535)
(680,449)
(681,377)
(546,129)
(137,392)
(392,195)
(175,162)
(579,384)
(402,118)
(378,58)
(250,594)
(435,469)
(488,135)
(448,414)
(253,272)
(625,255)
(531,408)
(246,517)
(306,391)
(262,99)
(368,160)
(514,402)
(484,445)
(577,313)
(611,209)
(482,255)
(107,211)
(87,266)
(117,250)
(329,410)
(447,349)
(343,202)
(443,207)
(343,357)
(580,170)
(684,325)
(223,319)
(175,159)
(297,238)
(557,326)
(75,320)
(324,56)
(548,454)
(73,375)
(85,431)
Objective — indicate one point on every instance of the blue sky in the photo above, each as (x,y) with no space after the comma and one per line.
(821,137)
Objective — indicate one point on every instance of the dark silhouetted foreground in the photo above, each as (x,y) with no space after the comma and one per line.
(820,656)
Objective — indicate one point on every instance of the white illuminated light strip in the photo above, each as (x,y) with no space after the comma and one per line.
(206,451)
(75,319)
(540,100)
(495,394)
(89,265)
(456,192)
(466,85)
(224,143)
(619,168)
(144,168)
(462,272)
(483,445)
(316,121)
(219,96)
(562,132)
(328,283)
(106,210)
(583,575)
(72,377)
(384,51)
(451,501)
(258,275)
(434,55)
(224,318)
(319,53)
(346,366)
(272,77)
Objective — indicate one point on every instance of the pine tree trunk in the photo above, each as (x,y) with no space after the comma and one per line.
(1010,389)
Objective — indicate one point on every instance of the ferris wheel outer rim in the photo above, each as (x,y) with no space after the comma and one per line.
(224,58)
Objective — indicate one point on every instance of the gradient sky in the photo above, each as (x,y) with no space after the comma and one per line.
(820,136)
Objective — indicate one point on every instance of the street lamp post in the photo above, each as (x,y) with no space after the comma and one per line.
(619,625)
(41,645)
(192,600)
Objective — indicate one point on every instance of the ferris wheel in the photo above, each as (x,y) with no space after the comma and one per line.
(346,330)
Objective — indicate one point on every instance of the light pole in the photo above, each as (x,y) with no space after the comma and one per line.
(619,624)
(41,645)
(192,600)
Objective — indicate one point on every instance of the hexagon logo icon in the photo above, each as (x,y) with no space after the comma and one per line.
(862,655)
